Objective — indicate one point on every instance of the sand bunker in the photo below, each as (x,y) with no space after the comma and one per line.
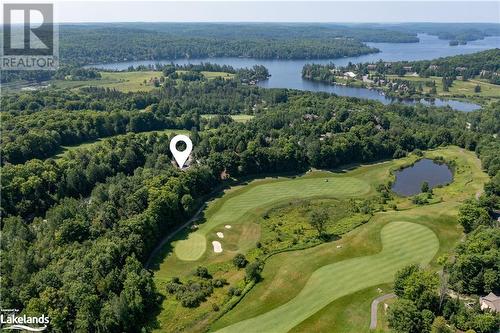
(217,246)
(220,235)
(227,226)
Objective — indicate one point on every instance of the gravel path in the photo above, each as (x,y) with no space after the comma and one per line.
(376,301)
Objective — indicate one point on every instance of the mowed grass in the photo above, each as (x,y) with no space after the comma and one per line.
(212,75)
(286,274)
(239,118)
(458,87)
(350,312)
(122,81)
(403,243)
(251,201)
(127,81)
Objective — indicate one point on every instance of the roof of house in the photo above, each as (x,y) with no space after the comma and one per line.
(492,300)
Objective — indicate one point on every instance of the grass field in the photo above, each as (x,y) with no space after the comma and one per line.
(212,75)
(252,200)
(459,87)
(402,243)
(122,81)
(286,274)
(239,118)
(290,296)
(126,81)
(349,312)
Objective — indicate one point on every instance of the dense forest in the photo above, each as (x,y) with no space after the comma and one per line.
(36,125)
(458,32)
(77,230)
(84,45)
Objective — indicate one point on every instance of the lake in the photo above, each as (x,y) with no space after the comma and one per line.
(409,180)
(287,73)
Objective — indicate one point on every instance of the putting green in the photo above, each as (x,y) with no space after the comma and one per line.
(253,198)
(194,245)
(403,243)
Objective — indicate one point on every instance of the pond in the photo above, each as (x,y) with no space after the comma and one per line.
(409,180)
(287,73)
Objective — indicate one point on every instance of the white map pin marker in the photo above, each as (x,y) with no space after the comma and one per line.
(181,156)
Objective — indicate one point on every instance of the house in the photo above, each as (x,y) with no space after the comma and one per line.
(484,72)
(371,67)
(349,75)
(433,67)
(407,68)
(490,301)
(460,69)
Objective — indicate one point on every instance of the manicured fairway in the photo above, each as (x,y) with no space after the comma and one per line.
(252,200)
(403,243)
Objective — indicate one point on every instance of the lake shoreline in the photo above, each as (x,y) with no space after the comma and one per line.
(287,73)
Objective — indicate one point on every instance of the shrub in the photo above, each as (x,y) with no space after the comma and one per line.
(234,291)
(219,283)
(202,272)
(240,261)
(253,271)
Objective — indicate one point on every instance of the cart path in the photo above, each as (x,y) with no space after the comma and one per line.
(376,301)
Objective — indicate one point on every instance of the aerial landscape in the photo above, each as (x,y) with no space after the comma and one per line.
(264,167)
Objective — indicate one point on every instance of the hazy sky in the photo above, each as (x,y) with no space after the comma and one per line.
(277,11)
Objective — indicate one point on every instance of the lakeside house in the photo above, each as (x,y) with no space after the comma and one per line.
(490,301)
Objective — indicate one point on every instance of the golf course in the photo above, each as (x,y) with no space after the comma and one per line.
(403,243)
(324,286)
(252,200)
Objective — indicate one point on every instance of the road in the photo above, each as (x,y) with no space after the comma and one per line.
(376,301)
